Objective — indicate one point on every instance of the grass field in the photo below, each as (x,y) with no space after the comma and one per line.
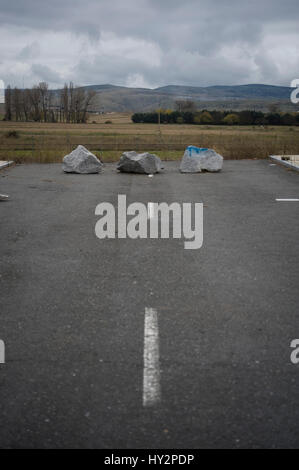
(46,143)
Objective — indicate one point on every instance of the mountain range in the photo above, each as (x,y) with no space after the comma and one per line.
(111,98)
(255,96)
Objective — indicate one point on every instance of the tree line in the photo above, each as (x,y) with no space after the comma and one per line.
(40,104)
(204,117)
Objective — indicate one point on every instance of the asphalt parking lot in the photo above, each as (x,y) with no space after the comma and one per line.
(72,311)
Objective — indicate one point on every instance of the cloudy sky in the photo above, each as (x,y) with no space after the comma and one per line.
(149,43)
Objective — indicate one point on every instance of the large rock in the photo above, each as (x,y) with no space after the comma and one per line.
(81,161)
(132,162)
(196,160)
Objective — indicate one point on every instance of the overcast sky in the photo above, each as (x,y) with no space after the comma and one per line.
(149,43)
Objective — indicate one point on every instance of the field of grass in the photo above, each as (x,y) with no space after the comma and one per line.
(46,143)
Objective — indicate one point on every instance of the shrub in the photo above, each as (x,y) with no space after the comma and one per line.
(231,119)
(206,118)
(12,134)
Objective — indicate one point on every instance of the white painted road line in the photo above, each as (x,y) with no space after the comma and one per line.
(287,200)
(151,210)
(151,372)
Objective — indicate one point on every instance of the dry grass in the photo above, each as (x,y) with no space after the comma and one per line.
(48,143)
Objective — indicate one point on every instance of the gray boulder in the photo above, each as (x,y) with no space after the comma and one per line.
(81,161)
(196,160)
(132,162)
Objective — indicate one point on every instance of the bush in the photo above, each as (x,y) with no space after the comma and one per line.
(12,134)
(231,119)
(108,122)
(274,119)
(288,119)
(206,118)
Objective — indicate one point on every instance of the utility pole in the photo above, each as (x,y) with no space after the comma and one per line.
(159,119)
(159,126)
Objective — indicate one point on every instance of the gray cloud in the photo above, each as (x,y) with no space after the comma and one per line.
(44,73)
(196,42)
(31,51)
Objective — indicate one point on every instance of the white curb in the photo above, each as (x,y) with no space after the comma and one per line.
(288,164)
(5,164)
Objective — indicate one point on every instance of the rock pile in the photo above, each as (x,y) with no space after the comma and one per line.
(196,160)
(82,161)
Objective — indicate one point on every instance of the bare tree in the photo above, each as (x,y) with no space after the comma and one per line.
(40,104)
(79,97)
(89,96)
(75,103)
(17,103)
(71,103)
(26,104)
(44,100)
(64,103)
(36,104)
(8,104)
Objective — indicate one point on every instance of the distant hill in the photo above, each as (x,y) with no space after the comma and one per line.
(123,99)
(229,92)
(111,98)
